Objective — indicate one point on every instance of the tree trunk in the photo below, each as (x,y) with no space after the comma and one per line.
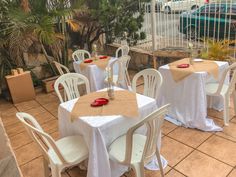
(65,59)
(48,59)
(25,6)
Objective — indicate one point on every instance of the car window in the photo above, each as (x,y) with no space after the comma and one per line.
(210,9)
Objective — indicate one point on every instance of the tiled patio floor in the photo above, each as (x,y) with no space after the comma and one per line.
(189,152)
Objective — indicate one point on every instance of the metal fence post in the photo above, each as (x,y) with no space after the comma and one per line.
(154,33)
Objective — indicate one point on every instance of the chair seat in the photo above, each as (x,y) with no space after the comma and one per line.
(118,147)
(211,88)
(73,148)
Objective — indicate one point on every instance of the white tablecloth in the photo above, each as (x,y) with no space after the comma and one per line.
(95,75)
(188,98)
(99,132)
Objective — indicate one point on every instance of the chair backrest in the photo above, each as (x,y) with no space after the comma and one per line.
(61,68)
(44,140)
(153,123)
(231,88)
(80,55)
(123,75)
(122,51)
(152,82)
(70,82)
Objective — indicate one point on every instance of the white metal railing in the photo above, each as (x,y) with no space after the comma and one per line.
(179,22)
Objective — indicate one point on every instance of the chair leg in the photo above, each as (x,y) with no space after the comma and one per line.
(226,110)
(138,169)
(234,100)
(159,162)
(46,167)
(55,171)
(210,101)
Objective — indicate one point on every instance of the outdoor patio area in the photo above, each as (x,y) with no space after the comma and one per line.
(118,88)
(189,152)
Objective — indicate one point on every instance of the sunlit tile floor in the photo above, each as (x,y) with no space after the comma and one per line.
(189,152)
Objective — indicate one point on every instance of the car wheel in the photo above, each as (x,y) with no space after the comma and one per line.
(192,34)
(194,7)
(167,10)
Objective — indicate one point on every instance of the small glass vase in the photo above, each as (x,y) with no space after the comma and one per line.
(94,51)
(110,90)
(191,60)
(95,55)
(110,85)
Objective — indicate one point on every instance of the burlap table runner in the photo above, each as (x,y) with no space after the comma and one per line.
(125,104)
(179,74)
(101,63)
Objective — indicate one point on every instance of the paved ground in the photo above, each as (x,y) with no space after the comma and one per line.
(189,152)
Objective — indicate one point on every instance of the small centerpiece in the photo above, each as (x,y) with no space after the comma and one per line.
(110,86)
(94,51)
(190,46)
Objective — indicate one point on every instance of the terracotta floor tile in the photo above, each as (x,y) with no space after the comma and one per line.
(36,111)
(174,151)
(168,127)
(191,163)
(50,126)
(76,172)
(24,106)
(198,164)
(55,135)
(34,168)
(5,105)
(233,120)
(51,107)
(27,153)
(46,98)
(20,140)
(44,117)
(55,114)
(174,173)
(9,112)
(14,129)
(228,132)
(191,137)
(232,174)
(219,122)
(221,149)
(10,120)
(139,89)
(219,114)
(152,173)
(54,93)
(139,81)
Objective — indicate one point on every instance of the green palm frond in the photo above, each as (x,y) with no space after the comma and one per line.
(218,50)
(45,30)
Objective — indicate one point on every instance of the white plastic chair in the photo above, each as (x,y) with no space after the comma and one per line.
(152,82)
(80,55)
(61,68)
(224,91)
(121,78)
(60,154)
(122,51)
(134,150)
(70,82)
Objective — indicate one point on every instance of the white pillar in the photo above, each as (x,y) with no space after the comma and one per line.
(154,32)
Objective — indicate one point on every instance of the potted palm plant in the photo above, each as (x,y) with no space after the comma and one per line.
(219,50)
